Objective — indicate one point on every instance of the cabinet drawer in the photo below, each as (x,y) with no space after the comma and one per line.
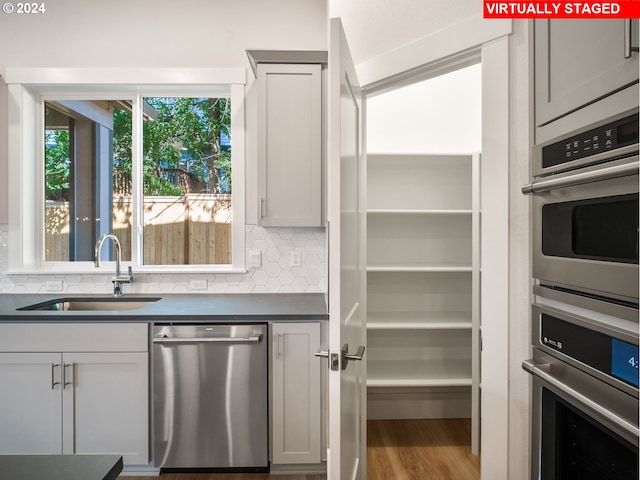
(76,337)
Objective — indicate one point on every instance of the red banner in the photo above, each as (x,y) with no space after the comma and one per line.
(561,9)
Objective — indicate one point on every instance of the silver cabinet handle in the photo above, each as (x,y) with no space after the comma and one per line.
(64,375)
(628,39)
(261,207)
(540,370)
(251,339)
(53,382)
(279,337)
(606,173)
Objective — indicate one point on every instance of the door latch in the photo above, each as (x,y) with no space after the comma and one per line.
(335,360)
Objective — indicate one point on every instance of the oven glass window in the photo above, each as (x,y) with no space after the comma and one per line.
(577,447)
(603,229)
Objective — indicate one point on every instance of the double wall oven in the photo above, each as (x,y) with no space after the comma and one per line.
(584,320)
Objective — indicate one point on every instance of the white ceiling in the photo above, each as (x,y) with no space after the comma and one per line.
(374,27)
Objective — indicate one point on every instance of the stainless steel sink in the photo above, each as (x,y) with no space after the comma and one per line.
(93,304)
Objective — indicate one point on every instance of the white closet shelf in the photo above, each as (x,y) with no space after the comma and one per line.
(419,268)
(432,320)
(413,211)
(418,373)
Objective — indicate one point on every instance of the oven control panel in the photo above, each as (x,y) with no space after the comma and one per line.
(607,137)
(611,356)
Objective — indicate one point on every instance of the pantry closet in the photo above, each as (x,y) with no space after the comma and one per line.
(423,247)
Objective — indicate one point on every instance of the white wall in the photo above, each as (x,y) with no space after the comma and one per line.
(439,115)
(170,34)
(374,27)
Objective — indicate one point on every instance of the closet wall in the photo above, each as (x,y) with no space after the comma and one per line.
(423,275)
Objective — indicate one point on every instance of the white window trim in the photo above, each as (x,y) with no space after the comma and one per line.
(27,87)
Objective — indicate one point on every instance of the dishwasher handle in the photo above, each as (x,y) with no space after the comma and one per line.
(225,340)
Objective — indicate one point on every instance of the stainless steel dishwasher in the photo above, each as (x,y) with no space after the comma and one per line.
(210,391)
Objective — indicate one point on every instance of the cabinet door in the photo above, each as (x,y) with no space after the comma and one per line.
(289,145)
(579,61)
(106,405)
(30,403)
(295,403)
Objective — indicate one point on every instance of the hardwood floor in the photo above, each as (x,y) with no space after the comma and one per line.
(421,450)
(396,450)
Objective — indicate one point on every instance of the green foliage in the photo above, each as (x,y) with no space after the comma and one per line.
(190,129)
(56,160)
(186,132)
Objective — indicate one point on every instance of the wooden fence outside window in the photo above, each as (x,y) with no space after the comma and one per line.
(194,229)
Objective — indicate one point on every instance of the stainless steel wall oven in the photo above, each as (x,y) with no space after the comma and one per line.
(585,209)
(585,388)
(584,321)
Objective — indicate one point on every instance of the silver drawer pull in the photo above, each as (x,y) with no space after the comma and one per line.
(251,339)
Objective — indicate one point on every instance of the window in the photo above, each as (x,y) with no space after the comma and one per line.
(159,165)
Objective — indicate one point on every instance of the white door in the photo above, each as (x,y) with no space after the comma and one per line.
(347,286)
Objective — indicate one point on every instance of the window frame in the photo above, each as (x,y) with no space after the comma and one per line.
(29,88)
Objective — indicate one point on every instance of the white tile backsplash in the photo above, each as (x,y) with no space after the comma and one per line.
(275,275)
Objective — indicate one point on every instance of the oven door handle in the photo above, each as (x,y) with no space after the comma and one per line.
(541,370)
(606,173)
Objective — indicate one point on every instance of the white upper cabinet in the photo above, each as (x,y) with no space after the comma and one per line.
(579,61)
(289,145)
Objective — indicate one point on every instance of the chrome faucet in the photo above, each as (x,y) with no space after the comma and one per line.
(119,278)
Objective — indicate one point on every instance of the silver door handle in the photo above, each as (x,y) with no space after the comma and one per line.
(540,370)
(64,375)
(628,39)
(346,356)
(582,178)
(251,339)
(323,351)
(53,382)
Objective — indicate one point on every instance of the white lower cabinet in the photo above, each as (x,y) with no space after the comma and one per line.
(74,402)
(295,393)
(30,403)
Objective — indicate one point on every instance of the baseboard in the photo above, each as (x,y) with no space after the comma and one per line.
(299,469)
(140,471)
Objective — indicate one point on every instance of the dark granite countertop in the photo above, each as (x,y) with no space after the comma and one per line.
(60,467)
(175,308)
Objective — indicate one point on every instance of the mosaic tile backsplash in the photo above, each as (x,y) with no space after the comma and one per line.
(275,274)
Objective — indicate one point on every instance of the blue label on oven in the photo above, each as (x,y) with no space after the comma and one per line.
(624,361)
